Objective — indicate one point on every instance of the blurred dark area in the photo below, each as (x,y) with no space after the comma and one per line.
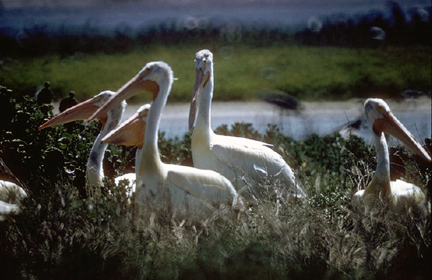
(36,31)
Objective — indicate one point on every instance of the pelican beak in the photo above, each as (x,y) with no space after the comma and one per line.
(130,133)
(201,80)
(78,112)
(135,85)
(391,125)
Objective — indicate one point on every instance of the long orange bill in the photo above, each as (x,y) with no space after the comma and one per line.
(134,86)
(80,111)
(131,132)
(201,80)
(391,125)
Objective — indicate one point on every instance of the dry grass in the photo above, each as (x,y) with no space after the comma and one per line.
(63,232)
(102,237)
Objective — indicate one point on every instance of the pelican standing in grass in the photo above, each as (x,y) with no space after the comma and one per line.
(184,188)
(245,162)
(110,119)
(401,196)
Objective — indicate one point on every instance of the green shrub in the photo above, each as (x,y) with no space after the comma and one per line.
(63,233)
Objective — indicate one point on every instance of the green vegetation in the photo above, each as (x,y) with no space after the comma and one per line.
(64,233)
(68,230)
(242,72)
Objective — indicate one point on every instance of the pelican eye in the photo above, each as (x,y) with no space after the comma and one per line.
(380,109)
(144,113)
(98,98)
(146,71)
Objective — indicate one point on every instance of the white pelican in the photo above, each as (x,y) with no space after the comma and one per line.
(130,133)
(165,185)
(11,191)
(401,195)
(10,196)
(109,120)
(236,158)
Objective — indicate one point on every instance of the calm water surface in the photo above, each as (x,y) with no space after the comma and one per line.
(314,117)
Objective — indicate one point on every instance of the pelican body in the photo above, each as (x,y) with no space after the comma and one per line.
(10,197)
(245,162)
(400,195)
(7,208)
(110,120)
(181,188)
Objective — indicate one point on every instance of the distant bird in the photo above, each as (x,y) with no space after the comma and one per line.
(377,33)
(282,100)
(359,127)
(412,94)
(399,194)
(245,162)
(110,119)
(186,189)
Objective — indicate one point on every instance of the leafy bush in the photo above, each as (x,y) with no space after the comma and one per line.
(63,232)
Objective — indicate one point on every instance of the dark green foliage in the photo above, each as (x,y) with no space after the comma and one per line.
(175,151)
(39,158)
(67,230)
(239,129)
(336,30)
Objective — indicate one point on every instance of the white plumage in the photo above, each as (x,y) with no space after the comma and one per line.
(10,196)
(7,208)
(187,189)
(401,195)
(245,162)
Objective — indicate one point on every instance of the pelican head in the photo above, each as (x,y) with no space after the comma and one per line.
(149,79)
(83,110)
(131,132)
(382,120)
(376,108)
(204,68)
(203,60)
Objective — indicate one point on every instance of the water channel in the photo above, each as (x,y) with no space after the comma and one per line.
(321,118)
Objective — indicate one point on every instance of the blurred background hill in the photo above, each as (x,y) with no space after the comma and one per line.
(42,39)
(60,14)
(329,22)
